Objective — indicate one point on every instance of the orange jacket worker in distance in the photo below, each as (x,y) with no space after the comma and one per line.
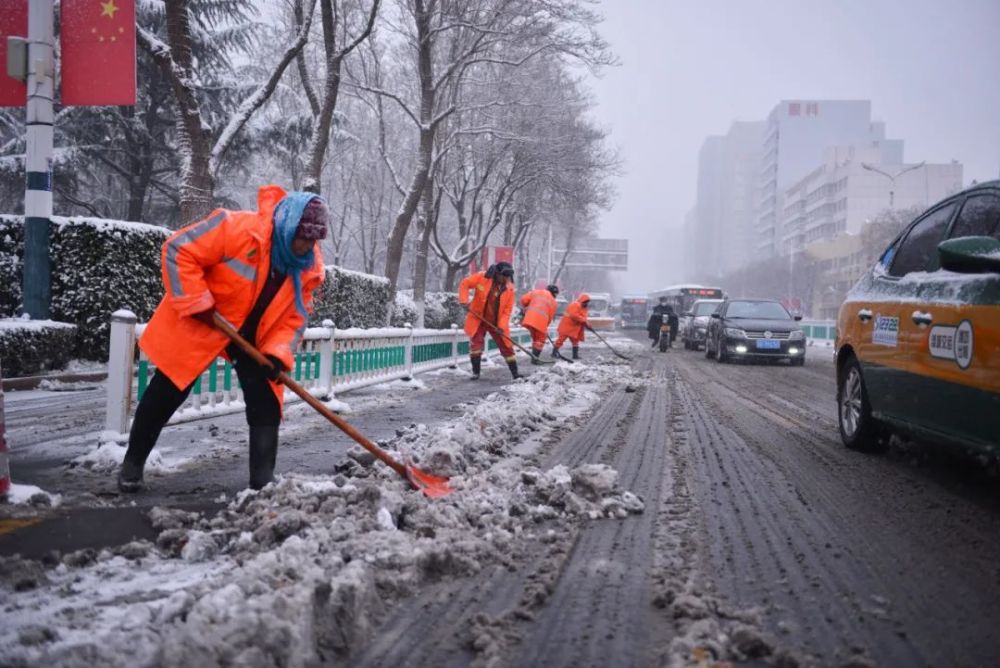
(489,311)
(572,325)
(258,270)
(539,312)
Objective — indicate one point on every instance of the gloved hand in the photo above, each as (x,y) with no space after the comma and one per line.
(206,317)
(277,367)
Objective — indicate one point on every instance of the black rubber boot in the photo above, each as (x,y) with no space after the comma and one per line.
(555,352)
(263,454)
(140,444)
(576,352)
(536,352)
(130,476)
(512,365)
(477,363)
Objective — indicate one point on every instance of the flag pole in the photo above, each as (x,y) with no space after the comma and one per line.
(38,160)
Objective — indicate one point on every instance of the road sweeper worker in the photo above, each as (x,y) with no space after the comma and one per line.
(539,311)
(257,269)
(489,312)
(571,326)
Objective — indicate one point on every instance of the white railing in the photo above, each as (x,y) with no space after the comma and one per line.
(328,360)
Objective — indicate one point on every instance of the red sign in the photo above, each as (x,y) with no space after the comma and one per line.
(492,255)
(13,23)
(97,40)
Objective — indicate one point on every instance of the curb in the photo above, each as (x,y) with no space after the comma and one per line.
(31,382)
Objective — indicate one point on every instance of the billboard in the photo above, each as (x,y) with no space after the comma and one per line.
(603,254)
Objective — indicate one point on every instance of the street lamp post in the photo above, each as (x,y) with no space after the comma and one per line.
(892,178)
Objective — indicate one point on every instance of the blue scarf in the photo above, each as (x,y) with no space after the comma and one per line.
(286,221)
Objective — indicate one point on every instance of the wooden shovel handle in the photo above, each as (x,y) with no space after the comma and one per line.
(283,378)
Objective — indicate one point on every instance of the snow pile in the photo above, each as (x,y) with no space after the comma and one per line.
(303,571)
(107,457)
(31,495)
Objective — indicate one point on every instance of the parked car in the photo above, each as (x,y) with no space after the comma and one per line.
(754,329)
(918,338)
(694,323)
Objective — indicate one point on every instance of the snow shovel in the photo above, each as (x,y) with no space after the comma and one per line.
(610,347)
(558,354)
(431,485)
(534,360)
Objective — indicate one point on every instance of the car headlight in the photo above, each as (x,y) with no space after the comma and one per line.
(735,333)
(797,335)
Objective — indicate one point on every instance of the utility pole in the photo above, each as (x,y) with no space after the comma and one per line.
(38,160)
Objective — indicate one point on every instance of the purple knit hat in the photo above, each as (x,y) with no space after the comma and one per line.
(314,221)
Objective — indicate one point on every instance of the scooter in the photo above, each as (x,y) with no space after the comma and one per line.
(664,340)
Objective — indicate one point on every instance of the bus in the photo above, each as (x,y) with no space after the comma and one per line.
(681,297)
(634,311)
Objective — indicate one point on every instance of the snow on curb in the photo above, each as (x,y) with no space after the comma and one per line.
(31,495)
(303,571)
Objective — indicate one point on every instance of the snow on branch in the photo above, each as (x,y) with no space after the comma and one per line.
(261,95)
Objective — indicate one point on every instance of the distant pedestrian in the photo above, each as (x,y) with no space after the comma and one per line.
(539,312)
(489,312)
(572,325)
(256,269)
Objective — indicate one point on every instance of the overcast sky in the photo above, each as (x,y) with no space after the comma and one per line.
(691,67)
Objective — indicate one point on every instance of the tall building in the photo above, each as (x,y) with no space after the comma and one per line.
(724,207)
(742,150)
(845,191)
(797,133)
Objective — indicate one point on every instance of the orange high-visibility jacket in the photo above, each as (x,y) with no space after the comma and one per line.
(480,285)
(539,309)
(573,320)
(223,262)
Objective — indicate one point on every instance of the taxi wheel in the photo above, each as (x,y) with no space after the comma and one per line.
(858,429)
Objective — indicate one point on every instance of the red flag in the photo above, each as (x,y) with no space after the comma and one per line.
(13,21)
(98,52)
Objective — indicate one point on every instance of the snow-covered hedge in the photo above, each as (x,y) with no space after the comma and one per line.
(404,310)
(351,299)
(98,266)
(441,310)
(30,346)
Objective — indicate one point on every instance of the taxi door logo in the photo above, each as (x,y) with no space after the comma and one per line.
(952,343)
(886,332)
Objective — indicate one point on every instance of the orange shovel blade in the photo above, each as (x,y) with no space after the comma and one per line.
(432,486)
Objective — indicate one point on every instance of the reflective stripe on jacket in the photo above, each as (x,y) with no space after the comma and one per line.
(481,286)
(223,262)
(539,309)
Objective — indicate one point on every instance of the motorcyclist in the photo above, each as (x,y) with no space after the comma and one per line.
(656,319)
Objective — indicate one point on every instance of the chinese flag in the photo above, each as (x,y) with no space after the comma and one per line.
(13,21)
(98,52)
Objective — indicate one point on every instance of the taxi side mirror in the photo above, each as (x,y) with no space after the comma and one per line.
(716,315)
(797,318)
(970,255)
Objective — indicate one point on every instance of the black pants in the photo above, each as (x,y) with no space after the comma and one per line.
(162,398)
